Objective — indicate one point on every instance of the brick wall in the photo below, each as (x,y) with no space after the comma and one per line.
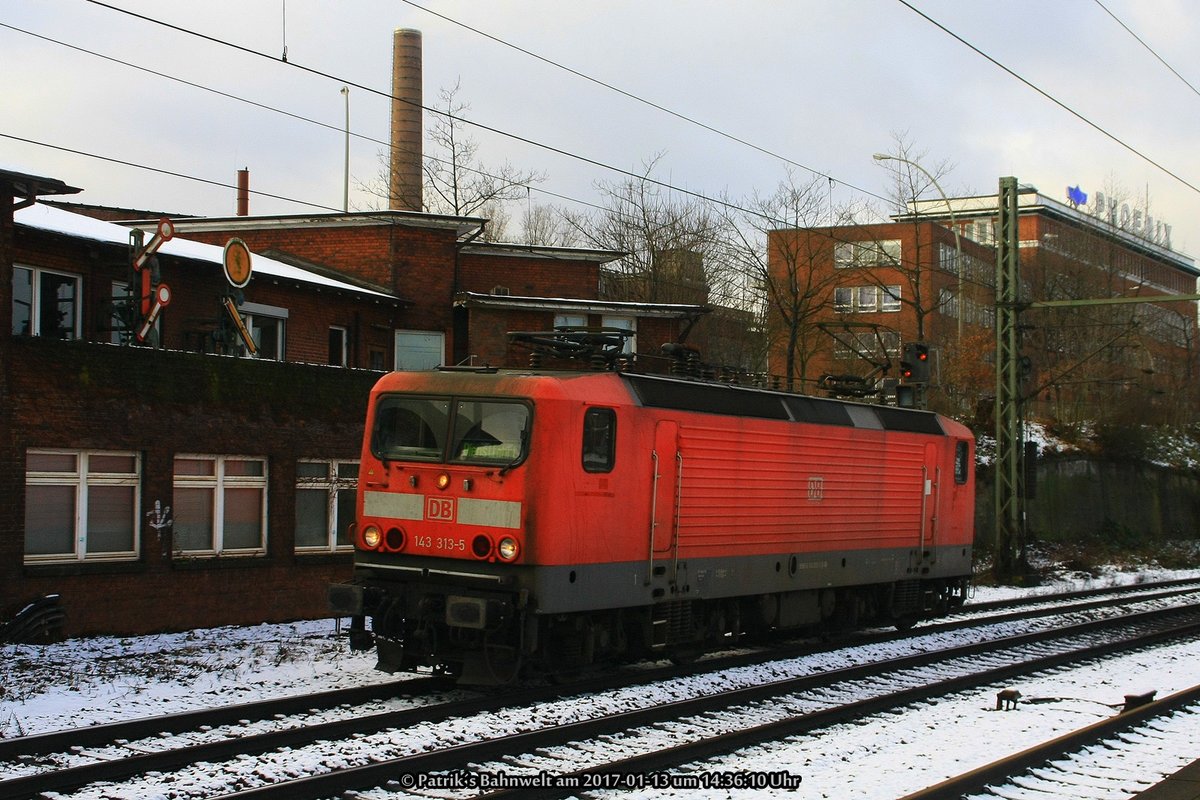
(530,277)
(79,395)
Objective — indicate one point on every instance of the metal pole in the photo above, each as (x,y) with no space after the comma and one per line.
(1009,511)
(958,263)
(346,183)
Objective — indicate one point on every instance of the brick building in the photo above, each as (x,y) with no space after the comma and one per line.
(189,485)
(929,275)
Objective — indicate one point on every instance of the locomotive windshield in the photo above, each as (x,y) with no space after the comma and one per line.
(461,431)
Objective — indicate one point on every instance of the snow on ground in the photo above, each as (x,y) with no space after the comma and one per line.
(102,679)
(91,681)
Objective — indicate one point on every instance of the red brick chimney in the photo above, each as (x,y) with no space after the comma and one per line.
(243,192)
(404,187)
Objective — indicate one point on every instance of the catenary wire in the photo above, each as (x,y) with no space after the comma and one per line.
(1140,41)
(516,137)
(1094,126)
(265,107)
(161,171)
(488,128)
(644,101)
(828,234)
(751,212)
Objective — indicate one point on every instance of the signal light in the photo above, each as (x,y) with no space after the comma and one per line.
(914,363)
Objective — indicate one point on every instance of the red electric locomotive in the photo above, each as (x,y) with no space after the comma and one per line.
(512,520)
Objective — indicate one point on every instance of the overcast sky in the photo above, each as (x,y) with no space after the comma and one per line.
(823,84)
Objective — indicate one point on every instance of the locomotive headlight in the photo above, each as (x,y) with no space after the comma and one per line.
(372,536)
(507,549)
(443,481)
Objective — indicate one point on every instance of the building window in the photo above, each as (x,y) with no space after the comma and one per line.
(625,324)
(570,321)
(867,254)
(220,505)
(866,299)
(889,297)
(267,327)
(376,359)
(339,351)
(325,496)
(417,350)
(120,317)
(45,303)
(81,505)
(599,439)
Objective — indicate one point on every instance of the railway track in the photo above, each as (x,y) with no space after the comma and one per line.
(420,691)
(1090,761)
(728,721)
(113,765)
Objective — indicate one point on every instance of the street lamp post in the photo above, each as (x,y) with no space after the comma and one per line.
(953,226)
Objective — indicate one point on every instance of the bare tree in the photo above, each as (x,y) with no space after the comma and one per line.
(775,243)
(668,243)
(457,181)
(911,179)
(547,226)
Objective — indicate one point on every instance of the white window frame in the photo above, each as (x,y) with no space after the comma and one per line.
(885,253)
(407,358)
(626,324)
(332,484)
(82,479)
(570,321)
(255,315)
(219,482)
(344,356)
(866,299)
(35,310)
(889,297)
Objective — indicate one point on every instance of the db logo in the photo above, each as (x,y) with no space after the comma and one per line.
(439,508)
(816,488)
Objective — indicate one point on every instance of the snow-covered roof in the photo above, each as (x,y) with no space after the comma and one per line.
(55,220)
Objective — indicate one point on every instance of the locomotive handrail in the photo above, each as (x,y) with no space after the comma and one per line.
(937,503)
(675,533)
(924,505)
(653,517)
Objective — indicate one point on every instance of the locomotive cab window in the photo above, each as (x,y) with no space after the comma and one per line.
(410,428)
(599,439)
(442,429)
(487,432)
(961,451)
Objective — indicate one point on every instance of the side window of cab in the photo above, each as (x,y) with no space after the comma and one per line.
(599,439)
(961,465)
